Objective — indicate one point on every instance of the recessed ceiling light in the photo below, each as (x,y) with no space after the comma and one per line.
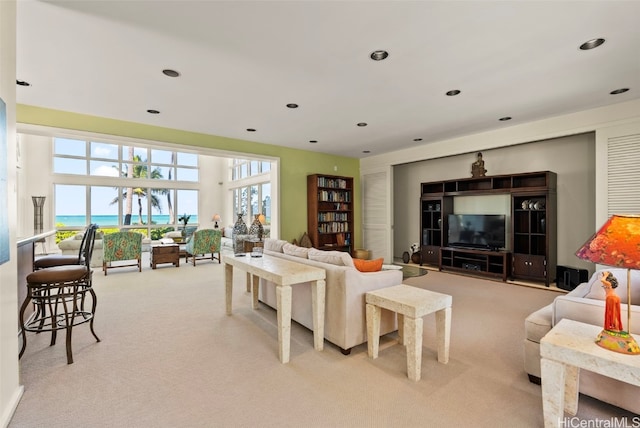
(22,83)
(313,141)
(417,139)
(153,111)
(505,118)
(379,55)
(292,105)
(590,44)
(251,130)
(619,91)
(366,151)
(171,73)
(362,124)
(453,92)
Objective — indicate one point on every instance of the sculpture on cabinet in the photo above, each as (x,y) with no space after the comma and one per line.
(477,168)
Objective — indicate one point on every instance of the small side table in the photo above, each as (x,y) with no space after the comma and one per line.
(166,253)
(567,348)
(411,304)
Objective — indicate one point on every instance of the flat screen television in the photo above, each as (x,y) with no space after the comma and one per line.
(481,231)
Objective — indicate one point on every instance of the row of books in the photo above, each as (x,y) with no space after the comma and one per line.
(337,183)
(334,196)
(333,227)
(333,216)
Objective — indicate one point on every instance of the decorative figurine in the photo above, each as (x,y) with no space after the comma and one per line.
(613,337)
(477,168)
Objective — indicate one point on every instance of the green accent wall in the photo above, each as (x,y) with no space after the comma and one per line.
(295,164)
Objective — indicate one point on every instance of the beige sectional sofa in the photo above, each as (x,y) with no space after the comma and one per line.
(71,246)
(586,304)
(345,322)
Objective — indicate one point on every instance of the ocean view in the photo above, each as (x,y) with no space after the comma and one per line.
(112,220)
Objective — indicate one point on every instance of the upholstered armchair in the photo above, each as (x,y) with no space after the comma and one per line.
(122,246)
(203,242)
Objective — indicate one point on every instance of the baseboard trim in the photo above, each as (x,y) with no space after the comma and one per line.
(10,410)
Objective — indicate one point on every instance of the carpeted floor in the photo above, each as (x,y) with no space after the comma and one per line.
(171,357)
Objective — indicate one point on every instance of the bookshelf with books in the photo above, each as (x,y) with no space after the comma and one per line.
(330,212)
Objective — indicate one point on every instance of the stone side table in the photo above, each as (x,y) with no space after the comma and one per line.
(411,304)
(567,348)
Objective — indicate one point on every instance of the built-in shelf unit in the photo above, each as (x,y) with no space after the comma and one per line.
(532,252)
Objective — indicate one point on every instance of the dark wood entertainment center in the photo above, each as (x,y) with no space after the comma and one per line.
(532,222)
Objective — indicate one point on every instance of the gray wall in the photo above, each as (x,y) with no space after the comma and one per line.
(572,158)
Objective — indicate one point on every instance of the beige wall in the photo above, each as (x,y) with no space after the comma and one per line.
(614,120)
(571,158)
(10,389)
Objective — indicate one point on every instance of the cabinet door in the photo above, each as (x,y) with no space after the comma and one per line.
(537,267)
(430,255)
(528,266)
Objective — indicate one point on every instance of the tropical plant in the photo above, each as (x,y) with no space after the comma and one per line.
(184,219)
(139,169)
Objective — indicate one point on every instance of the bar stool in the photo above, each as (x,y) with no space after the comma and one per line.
(59,295)
(52,260)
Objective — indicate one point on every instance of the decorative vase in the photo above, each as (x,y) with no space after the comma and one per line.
(416,258)
(256,227)
(543,225)
(240,228)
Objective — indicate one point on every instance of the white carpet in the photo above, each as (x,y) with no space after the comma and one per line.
(170,357)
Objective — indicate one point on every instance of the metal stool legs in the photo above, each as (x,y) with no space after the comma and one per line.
(59,296)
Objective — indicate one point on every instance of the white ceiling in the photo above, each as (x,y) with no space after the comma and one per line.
(241,62)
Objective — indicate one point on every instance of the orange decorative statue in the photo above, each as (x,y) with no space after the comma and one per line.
(612,318)
(613,337)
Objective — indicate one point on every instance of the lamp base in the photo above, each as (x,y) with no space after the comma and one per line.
(618,341)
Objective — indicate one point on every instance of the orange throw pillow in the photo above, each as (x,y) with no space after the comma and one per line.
(368,265)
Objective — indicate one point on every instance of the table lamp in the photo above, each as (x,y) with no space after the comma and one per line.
(216,219)
(616,244)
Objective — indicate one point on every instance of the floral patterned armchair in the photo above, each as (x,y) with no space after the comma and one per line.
(202,242)
(122,246)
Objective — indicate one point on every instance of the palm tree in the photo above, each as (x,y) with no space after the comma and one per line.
(139,170)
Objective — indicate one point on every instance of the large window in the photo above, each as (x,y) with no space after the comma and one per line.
(251,186)
(123,186)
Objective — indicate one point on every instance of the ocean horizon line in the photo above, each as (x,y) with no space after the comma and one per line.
(112,220)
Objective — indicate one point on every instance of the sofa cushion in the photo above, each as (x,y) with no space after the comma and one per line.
(293,250)
(274,244)
(227,232)
(173,234)
(596,291)
(338,258)
(538,324)
(368,265)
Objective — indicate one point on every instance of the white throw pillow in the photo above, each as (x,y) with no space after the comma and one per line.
(338,258)
(597,292)
(274,244)
(294,250)
(173,234)
(228,232)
